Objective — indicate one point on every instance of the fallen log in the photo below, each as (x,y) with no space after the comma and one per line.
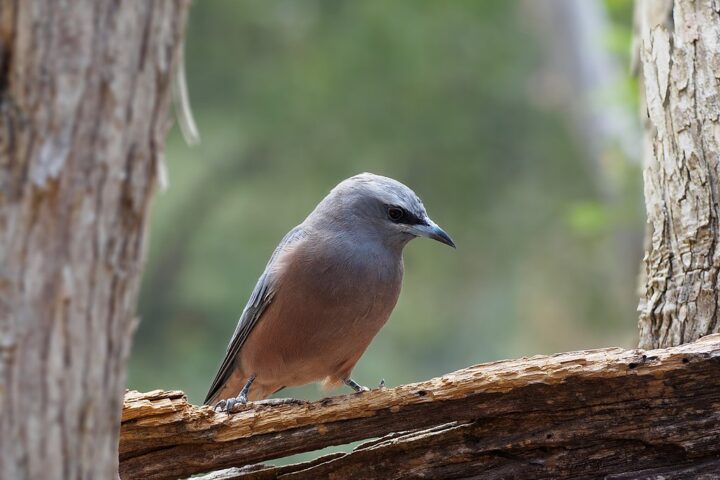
(611,412)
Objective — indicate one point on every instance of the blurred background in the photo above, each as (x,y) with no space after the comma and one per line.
(515,121)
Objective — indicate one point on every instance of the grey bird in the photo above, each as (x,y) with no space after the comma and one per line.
(327,290)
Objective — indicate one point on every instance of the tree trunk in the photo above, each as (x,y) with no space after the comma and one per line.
(680,59)
(84,95)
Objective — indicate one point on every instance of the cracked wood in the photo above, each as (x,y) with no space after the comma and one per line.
(571,415)
(680,57)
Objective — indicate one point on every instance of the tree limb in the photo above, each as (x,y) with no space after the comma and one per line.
(572,415)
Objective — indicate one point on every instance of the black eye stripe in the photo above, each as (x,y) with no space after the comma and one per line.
(400,215)
(412,219)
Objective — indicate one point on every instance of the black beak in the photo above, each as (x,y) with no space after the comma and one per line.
(437,233)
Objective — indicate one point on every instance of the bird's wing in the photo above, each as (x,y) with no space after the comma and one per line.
(261,297)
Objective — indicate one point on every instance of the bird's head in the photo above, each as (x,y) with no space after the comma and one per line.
(382,207)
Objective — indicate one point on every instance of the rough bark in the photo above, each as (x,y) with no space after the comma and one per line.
(575,415)
(84,94)
(680,59)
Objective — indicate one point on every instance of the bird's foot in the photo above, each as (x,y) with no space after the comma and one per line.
(356,386)
(229,404)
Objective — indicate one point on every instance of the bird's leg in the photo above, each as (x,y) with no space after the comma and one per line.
(355,386)
(241,399)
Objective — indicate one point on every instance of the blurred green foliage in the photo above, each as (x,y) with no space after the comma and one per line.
(292,96)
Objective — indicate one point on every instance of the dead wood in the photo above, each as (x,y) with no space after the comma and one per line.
(573,415)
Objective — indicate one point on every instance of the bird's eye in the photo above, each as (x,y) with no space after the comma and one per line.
(395,213)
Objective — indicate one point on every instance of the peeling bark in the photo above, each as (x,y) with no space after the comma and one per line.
(679,50)
(619,413)
(84,95)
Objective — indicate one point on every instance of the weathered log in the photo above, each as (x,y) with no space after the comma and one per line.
(572,415)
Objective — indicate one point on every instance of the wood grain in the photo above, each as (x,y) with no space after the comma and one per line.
(679,57)
(84,103)
(571,415)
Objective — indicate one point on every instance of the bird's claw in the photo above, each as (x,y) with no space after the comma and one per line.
(229,404)
(355,386)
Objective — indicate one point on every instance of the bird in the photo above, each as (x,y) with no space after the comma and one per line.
(328,288)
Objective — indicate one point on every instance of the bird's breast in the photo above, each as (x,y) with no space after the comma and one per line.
(340,288)
(327,308)
(346,274)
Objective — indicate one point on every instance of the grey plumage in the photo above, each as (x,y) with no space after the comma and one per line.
(328,288)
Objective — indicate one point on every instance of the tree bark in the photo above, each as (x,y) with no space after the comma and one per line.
(84,95)
(613,412)
(680,59)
